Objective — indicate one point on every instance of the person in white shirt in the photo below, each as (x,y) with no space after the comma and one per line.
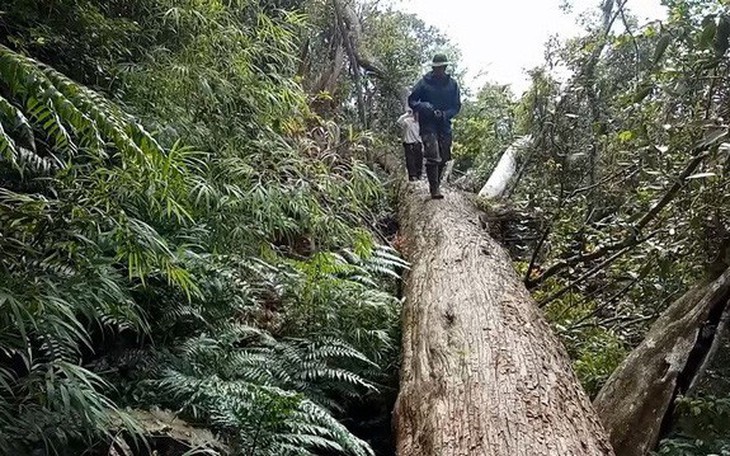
(412,144)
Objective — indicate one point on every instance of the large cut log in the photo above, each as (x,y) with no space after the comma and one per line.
(636,404)
(482,373)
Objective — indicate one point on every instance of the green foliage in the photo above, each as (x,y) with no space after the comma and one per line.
(599,353)
(216,267)
(596,350)
(345,281)
(484,128)
(691,447)
(701,425)
(83,187)
(710,416)
(268,396)
(617,234)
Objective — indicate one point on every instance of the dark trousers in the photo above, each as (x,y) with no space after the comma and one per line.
(437,152)
(414,160)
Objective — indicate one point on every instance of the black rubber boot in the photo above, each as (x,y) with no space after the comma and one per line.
(442,167)
(432,172)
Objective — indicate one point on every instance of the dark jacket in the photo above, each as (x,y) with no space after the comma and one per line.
(433,94)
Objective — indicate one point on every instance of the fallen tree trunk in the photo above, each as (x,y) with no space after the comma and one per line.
(636,404)
(505,170)
(482,373)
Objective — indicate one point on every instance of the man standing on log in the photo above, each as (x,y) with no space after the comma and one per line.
(437,100)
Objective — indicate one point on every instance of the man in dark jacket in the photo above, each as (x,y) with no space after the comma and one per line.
(437,100)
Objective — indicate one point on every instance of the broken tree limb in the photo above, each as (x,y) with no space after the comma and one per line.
(505,170)
(637,400)
(163,433)
(482,373)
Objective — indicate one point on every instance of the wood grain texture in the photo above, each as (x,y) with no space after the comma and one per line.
(482,373)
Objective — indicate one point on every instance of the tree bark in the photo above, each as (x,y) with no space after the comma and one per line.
(636,404)
(350,29)
(350,35)
(482,373)
(327,81)
(353,27)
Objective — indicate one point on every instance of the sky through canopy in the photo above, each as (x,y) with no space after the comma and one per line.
(499,39)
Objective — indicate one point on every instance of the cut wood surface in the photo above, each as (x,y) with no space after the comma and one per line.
(482,373)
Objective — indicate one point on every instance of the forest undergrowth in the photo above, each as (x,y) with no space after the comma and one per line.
(192,224)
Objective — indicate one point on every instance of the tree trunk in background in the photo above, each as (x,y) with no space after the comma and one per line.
(636,404)
(348,24)
(482,373)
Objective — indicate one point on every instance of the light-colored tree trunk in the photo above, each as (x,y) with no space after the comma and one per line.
(482,373)
(638,397)
(504,171)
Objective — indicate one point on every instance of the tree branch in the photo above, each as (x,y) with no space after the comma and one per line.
(615,297)
(673,190)
(700,152)
(582,278)
(352,32)
(637,53)
(628,242)
(627,320)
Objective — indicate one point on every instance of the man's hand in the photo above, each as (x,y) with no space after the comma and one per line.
(424,107)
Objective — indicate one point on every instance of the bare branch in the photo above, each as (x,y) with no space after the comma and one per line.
(628,242)
(700,152)
(584,277)
(615,297)
(626,320)
(637,52)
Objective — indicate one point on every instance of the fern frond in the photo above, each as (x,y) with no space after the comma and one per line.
(13,117)
(8,150)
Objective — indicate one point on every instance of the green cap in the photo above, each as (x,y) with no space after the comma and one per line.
(440,60)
